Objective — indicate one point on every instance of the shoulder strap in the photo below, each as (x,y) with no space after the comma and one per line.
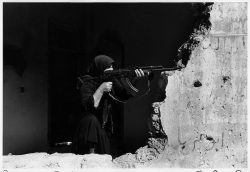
(116,99)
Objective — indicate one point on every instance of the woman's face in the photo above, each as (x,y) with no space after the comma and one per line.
(109,68)
(100,64)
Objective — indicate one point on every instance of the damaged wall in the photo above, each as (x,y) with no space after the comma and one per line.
(206,106)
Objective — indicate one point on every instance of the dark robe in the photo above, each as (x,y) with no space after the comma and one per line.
(96,125)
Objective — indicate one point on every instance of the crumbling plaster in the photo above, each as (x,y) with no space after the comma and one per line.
(207,101)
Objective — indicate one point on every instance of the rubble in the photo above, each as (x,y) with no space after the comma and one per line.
(57,160)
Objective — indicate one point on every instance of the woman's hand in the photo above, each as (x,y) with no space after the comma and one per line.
(105,87)
(167,73)
(139,73)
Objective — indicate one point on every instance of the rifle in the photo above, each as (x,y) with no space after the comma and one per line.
(129,72)
(125,74)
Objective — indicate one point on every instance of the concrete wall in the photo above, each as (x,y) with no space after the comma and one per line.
(25,97)
(208,99)
(25,91)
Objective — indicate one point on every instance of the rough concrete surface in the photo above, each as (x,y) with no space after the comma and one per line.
(204,114)
(57,160)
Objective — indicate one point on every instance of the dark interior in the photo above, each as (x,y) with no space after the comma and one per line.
(47,45)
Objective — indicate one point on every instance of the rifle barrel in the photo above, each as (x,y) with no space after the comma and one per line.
(169,69)
(150,67)
(162,69)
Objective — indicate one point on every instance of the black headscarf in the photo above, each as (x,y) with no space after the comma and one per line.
(99,64)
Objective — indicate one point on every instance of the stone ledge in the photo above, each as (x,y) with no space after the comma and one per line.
(57,160)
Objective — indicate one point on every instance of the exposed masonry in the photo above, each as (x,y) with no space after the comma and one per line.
(205,112)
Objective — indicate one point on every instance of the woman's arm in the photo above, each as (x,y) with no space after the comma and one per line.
(104,87)
(90,96)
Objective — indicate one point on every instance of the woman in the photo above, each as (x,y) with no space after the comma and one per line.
(96,125)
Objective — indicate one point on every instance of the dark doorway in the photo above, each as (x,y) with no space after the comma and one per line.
(63,65)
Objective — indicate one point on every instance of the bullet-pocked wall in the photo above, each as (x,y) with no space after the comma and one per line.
(207,101)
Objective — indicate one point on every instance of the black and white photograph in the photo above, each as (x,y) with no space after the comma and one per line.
(125,85)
